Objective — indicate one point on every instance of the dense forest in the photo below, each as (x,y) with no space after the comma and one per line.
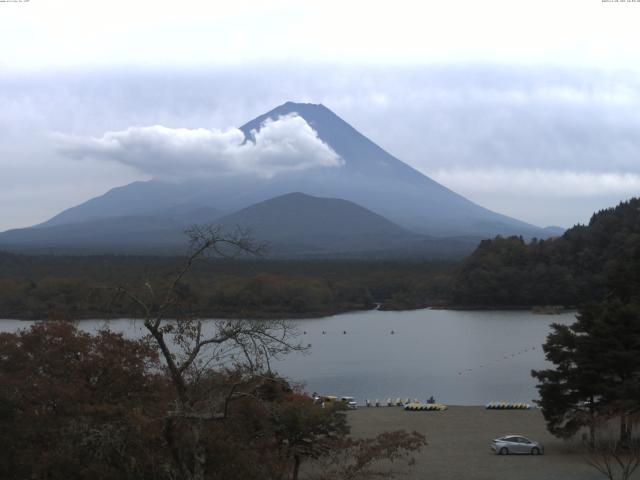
(75,287)
(584,264)
(581,265)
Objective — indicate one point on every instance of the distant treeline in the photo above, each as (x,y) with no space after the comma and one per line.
(75,287)
(586,263)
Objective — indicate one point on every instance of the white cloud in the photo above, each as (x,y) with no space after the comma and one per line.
(285,144)
(537,183)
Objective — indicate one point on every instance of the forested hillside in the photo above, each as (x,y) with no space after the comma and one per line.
(581,265)
(584,264)
(72,287)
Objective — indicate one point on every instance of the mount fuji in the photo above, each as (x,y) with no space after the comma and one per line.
(392,193)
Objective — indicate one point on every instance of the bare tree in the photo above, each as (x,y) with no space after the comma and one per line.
(381,457)
(613,457)
(613,461)
(210,364)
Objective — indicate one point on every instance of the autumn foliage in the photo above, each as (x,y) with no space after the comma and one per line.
(75,405)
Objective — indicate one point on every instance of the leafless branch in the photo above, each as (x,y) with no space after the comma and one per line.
(613,459)
(192,351)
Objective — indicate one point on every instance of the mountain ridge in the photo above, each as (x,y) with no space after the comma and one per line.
(294,220)
(370,178)
(294,225)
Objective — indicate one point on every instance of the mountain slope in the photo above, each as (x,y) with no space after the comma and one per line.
(369,177)
(309,223)
(160,232)
(409,198)
(291,225)
(130,234)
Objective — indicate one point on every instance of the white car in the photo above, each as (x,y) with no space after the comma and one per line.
(516,444)
(350,402)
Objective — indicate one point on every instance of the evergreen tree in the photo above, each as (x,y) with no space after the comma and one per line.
(597,369)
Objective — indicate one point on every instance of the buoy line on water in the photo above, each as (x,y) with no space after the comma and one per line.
(507,356)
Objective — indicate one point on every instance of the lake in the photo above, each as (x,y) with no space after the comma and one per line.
(459,357)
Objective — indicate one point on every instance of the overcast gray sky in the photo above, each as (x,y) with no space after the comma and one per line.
(528,108)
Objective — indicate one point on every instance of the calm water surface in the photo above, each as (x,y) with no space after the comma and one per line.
(459,357)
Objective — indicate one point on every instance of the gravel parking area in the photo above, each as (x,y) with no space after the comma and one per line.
(458,444)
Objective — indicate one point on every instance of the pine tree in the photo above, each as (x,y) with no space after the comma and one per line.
(597,370)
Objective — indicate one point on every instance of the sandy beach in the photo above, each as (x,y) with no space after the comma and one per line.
(458,444)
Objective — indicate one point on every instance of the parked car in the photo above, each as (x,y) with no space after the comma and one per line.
(516,444)
(350,402)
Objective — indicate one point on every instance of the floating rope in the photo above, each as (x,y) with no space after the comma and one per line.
(508,356)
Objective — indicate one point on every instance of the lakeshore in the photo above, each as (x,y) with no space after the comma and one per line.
(458,443)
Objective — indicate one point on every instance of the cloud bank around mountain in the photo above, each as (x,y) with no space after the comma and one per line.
(282,145)
(538,182)
(520,125)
